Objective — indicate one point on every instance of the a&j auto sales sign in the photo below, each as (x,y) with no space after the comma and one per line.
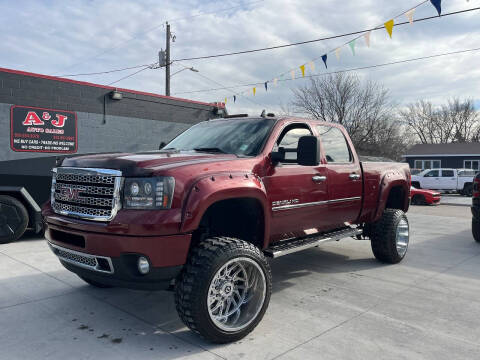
(43,130)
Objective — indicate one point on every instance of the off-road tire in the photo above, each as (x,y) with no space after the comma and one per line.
(13,219)
(95,283)
(192,287)
(476,229)
(383,236)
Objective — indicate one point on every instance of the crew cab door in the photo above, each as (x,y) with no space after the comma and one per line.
(297,194)
(344,176)
(431,180)
(448,179)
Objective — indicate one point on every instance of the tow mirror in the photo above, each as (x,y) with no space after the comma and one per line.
(278,156)
(308,151)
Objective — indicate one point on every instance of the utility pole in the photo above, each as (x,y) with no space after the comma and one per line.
(167,65)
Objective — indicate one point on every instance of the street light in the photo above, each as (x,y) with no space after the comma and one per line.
(187,68)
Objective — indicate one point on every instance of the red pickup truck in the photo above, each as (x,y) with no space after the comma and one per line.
(205,212)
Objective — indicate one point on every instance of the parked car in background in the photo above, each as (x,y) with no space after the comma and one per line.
(424,196)
(476,208)
(460,180)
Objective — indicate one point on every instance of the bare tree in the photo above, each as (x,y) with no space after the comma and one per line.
(456,121)
(364,109)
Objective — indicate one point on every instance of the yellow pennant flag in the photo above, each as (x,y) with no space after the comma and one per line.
(302,67)
(312,65)
(225,100)
(389,26)
(337,53)
(292,73)
(254,91)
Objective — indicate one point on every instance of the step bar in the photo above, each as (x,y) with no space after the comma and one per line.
(291,246)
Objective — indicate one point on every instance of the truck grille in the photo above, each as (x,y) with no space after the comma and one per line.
(92,194)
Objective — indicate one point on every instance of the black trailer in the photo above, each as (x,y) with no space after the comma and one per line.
(45,118)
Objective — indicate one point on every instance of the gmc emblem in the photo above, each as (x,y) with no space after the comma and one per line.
(70,194)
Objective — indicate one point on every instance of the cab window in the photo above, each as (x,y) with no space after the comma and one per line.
(447,173)
(432,173)
(334,145)
(288,140)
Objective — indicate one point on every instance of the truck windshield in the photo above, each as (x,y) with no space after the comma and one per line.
(239,137)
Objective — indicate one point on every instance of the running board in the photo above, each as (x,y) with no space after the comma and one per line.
(290,246)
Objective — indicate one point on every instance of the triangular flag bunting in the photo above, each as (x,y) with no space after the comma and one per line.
(275,81)
(337,53)
(254,91)
(367,38)
(312,65)
(409,15)
(438,5)
(389,26)
(266,86)
(352,46)
(302,68)
(292,73)
(324,58)
(225,100)
(234,98)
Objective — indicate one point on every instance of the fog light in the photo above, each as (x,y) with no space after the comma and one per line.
(143,265)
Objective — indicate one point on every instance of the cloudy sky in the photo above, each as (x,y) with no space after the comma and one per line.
(59,37)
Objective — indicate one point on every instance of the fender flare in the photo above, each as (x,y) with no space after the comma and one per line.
(211,189)
(390,180)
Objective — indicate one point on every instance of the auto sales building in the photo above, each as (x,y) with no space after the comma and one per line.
(454,155)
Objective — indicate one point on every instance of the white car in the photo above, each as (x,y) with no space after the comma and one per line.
(460,180)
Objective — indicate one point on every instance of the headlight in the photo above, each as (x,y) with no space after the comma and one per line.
(148,193)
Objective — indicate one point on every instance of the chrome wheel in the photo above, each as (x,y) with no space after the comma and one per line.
(402,237)
(236,294)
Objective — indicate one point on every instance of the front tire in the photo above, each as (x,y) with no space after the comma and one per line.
(224,290)
(13,219)
(476,229)
(390,236)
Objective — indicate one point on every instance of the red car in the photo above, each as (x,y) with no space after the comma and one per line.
(424,196)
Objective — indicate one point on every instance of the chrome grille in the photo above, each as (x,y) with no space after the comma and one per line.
(92,262)
(77,258)
(92,194)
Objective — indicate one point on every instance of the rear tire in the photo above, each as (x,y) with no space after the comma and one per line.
(95,283)
(476,229)
(390,236)
(468,190)
(13,219)
(224,290)
(416,184)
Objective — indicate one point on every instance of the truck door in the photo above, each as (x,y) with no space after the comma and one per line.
(344,176)
(448,179)
(297,194)
(431,180)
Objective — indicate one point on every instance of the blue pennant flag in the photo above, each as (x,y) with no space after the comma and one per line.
(234,98)
(266,86)
(438,5)
(324,58)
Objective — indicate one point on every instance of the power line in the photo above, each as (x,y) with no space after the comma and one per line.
(322,39)
(119,45)
(336,72)
(108,71)
(130,75)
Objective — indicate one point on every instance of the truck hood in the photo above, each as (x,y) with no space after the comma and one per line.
(144,164)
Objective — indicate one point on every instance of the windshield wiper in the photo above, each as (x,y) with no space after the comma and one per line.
(210,149)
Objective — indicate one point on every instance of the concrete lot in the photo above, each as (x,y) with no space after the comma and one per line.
(335,302)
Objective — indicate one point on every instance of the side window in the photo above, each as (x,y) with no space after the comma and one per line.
(334,144)
(288,140)
(432,173)
(447,173)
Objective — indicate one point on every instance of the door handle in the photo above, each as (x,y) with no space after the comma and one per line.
(354,176)
(319,178)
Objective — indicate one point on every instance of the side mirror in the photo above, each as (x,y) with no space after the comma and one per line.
(278,156)
(308,151)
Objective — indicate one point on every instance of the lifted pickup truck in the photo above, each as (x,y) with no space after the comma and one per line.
(203,213)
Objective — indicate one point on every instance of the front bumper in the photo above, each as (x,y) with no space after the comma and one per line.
(112,259)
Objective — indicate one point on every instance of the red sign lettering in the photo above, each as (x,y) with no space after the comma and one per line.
(32,119)
(60,122)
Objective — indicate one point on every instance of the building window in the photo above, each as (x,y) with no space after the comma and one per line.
(428,164)
(471,164)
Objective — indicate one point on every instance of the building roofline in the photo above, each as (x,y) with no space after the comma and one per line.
(56,78)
